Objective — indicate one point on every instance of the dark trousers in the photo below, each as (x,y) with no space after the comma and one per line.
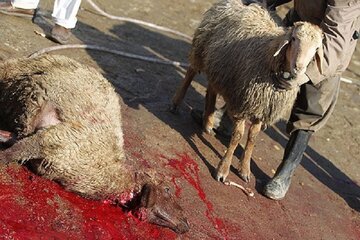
(314,105)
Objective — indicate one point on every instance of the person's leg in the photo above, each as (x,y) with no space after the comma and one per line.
(65,11)
(278,186)
(25,4)
(20,8)
(64,14)
(312,109)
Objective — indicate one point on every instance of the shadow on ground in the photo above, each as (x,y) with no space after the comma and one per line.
(323,169)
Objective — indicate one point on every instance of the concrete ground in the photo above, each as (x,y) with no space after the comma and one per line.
(322,203)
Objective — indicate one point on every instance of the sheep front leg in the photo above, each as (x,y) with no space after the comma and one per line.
(23,150)
(209,113)
(244,167)
(180,92)
(224,166)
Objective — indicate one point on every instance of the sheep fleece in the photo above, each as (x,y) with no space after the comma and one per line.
(234,46)
(84,152)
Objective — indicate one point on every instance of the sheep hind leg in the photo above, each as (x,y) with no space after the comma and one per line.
(244,167)
(209,113)
(29,147)
(224,166)
(5,136)
(181,91)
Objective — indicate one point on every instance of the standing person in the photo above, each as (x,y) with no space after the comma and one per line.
(64,15)
(340,22)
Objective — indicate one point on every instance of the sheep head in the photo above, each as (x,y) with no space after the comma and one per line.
(160,208)
(303,42)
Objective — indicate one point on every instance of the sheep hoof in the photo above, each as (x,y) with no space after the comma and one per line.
(5,136)
(7,139)
(209,131)
(220,178)
(245,177)
(174,109)
(221,175)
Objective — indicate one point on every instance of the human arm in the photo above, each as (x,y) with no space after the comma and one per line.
(340,23)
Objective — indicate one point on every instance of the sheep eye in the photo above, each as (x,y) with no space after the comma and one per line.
(293,39)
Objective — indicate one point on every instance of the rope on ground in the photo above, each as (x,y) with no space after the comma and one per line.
(108,50)
(125,19)
(350,81)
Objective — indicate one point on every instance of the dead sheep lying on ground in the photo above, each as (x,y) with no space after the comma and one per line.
(243,50)
(63,120)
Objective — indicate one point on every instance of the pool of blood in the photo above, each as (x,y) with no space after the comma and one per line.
(32,207)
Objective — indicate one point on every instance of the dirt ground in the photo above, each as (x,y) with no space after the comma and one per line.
(322,203)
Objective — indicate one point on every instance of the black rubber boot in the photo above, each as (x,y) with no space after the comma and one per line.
(278,186)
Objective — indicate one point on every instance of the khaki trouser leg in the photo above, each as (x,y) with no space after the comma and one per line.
(314,105)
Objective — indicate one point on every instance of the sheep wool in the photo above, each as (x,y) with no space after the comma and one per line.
(84,150)
(234,46)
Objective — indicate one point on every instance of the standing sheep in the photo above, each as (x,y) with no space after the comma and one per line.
(63,120)
(244,50)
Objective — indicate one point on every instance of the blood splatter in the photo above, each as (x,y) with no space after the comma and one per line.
(178,190)
(190,172)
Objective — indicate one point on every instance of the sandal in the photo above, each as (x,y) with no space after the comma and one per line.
(60,34)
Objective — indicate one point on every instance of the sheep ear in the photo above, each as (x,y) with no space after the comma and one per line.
(282,45)
(148,196)
(319,56)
